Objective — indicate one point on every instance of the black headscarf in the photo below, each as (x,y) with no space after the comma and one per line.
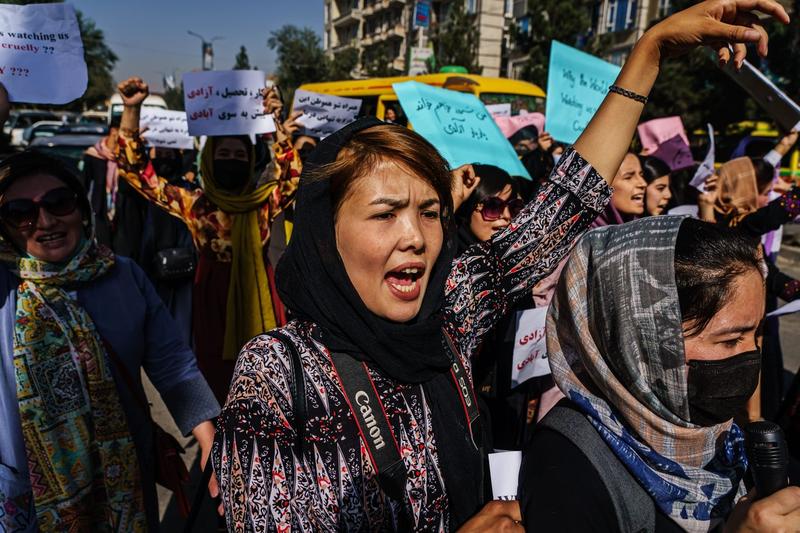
(314,285)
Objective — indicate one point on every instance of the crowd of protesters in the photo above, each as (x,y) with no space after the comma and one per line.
(333,320)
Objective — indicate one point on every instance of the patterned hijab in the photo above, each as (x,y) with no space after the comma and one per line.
(82,460)
(738,188)
(615,342)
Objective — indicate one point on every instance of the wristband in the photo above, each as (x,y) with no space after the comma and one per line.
(627,94)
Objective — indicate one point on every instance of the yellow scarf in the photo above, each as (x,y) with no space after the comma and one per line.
(249,307)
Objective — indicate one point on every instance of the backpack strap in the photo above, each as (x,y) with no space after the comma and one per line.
(297,387)
(634,508)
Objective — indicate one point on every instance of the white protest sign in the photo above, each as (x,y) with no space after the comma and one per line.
(530,346)
(165,129)
(706,168)
(504,469)
(324,114)
(225,102)
(789,308)
(41,54)
(499,110)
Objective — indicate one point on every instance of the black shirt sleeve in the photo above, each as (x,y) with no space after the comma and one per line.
(772,216)
(560,490)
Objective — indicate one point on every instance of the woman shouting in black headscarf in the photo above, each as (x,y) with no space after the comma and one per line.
(359,415)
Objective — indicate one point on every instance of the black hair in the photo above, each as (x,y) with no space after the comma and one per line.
(682,192)
(653,168)
(539,164)
(765,174)
(493,181)
(708,260)
(529,132)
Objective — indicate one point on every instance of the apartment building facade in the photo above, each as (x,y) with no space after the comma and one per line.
(386,27)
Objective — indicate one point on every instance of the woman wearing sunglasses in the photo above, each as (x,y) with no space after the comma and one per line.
(494,202)
(77,326)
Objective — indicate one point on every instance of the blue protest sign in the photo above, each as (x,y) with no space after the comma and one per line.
(458,125)
(577,82)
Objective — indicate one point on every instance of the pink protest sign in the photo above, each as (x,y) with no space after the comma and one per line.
(657,131)
(675,153)
(511,125)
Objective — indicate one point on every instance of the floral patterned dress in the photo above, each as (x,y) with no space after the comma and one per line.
(272,482)
(210,228)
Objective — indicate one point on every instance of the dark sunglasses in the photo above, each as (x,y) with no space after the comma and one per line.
(493,207)
(24,212)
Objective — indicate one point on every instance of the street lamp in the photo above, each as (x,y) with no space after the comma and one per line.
(207,49)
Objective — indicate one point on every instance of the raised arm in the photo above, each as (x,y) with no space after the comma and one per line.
(491,277)
(134,165)
(716,23)
(285,167)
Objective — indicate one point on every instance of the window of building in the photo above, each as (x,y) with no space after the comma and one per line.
(472,6)
(611,15)
(664,7)
(630,17)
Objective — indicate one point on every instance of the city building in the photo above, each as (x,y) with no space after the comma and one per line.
(385,28)
(369,26)
(626,21)
(622,21)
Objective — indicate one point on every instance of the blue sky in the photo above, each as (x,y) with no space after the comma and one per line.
(150,36)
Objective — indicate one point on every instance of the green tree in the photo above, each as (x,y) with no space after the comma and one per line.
(551,20)
(100,61)
(342,65)
(174,97)
(378,62)
(784,59)
(456,38)
(700,92)
(242,61)
(300,57)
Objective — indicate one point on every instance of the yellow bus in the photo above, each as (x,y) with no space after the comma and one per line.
(761,137)
(377,94)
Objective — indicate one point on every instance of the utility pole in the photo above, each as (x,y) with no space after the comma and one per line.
(207,50)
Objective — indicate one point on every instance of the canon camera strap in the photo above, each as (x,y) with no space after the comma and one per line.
(373,424)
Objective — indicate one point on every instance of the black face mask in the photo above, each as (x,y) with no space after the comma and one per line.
(718,390)
(167,167)
(231,174)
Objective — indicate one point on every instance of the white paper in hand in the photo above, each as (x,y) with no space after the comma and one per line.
(41,54)
(504,469)
(791,307)
(225,102)
(530,347)
(706,168)
(324,114)
(165,129)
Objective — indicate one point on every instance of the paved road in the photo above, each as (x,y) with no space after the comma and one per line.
(171,521)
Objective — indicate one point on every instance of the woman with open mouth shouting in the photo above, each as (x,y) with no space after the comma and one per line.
(359,415)
(628,201)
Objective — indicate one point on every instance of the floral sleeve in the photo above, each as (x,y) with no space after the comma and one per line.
(135,168)
(490,277)
(286,172)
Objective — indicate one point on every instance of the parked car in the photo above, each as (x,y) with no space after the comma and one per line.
(19,120)
(68,147)
(43,128)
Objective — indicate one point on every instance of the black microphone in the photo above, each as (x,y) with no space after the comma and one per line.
(768,456)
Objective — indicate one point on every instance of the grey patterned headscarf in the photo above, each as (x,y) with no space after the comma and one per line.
(615,342)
